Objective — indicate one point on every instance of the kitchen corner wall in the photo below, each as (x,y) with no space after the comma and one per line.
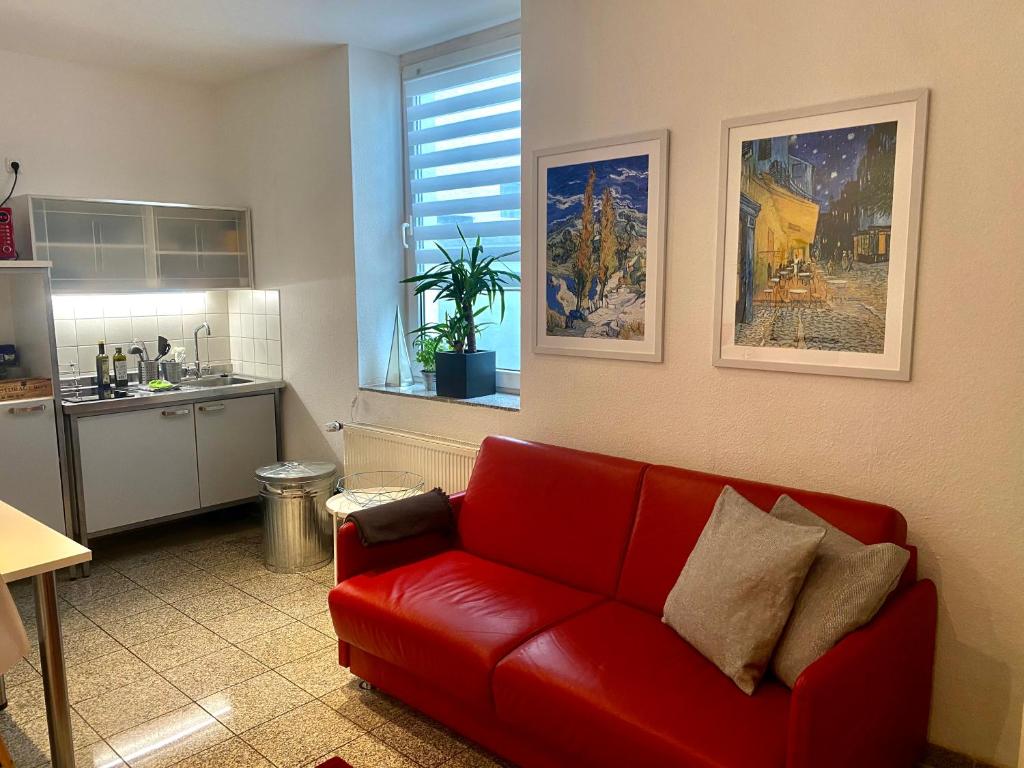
(245,327)
(285,137)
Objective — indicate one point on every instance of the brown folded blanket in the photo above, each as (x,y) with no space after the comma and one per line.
(428,512)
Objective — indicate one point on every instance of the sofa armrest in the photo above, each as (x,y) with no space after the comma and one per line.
(353,558)
(867,701)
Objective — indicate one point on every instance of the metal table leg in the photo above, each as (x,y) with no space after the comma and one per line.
(55,685)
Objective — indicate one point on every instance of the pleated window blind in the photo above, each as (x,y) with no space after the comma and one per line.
(463,140)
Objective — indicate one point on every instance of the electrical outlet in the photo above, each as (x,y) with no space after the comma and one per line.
(7,164)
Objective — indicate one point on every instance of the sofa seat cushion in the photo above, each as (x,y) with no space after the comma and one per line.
(449,618)
(617,687)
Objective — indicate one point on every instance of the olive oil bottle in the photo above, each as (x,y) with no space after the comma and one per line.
(120,369)
(102,370)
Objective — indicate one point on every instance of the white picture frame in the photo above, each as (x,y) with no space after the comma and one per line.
(838,332)
(617,311)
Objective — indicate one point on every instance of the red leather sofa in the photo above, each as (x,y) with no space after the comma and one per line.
(537,631)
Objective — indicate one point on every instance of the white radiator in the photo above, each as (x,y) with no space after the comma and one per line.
(441,462)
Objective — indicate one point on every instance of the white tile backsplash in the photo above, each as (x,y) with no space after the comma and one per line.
(168,304)
(248,337)
(65,333)
(240,301)
(170,326)
(90,331)
(193,304)
(87,307)
(66,356)
(190,322)
(143,305)
(63,307)
(118,330)
(87,358)
(144,328)
(219,348)
(217,302)
(218,325)
(117,306)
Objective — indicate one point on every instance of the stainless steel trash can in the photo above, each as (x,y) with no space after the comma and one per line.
(297,533)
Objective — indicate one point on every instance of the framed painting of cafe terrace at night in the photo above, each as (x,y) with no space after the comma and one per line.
(819,212)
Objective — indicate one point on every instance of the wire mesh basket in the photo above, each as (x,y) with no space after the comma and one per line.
(368,489)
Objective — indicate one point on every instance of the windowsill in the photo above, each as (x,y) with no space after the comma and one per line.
(503,401)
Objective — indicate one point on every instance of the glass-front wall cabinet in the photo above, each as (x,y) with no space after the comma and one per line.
(202,247)
(114,246)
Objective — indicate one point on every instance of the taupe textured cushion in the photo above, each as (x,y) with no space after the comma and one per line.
(845,587)
(736,591)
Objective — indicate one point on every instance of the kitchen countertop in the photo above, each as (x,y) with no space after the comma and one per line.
(144,399)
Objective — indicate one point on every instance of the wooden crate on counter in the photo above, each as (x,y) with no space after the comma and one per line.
(23,389)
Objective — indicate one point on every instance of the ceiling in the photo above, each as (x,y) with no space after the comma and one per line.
(217,41)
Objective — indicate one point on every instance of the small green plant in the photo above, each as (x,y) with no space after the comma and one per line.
(427,347)
(464,281)
(451,332)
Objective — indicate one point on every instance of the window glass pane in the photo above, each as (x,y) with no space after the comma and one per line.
(463,134)
(502,338)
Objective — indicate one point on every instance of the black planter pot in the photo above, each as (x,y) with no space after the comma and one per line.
(465,374)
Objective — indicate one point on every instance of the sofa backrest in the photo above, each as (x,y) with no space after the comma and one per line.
(555,512)
(676,503)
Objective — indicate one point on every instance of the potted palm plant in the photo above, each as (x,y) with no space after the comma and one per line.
(474,284)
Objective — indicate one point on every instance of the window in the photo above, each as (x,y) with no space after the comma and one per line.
(462,122)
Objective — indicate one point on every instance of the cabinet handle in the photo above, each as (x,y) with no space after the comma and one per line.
(27,409)
(177,412)
(211,407)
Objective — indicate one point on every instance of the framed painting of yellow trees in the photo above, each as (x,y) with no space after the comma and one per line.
(601,248)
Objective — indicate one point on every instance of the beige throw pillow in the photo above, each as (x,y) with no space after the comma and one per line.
(845,588)
(736,591)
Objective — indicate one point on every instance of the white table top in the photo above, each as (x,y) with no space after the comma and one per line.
(28,548)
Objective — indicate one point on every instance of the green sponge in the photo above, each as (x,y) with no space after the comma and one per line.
(160,384)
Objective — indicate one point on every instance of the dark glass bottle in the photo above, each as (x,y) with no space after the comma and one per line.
(102,371)
(120,369)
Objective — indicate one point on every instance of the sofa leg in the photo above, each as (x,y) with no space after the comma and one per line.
(365,686)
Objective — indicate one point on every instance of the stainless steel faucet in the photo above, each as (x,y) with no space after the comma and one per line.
(195,337)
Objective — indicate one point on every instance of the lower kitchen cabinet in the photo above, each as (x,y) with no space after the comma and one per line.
(30,469)
(234,438)
(137,465)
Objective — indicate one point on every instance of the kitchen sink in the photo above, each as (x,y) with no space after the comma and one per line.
(213,381)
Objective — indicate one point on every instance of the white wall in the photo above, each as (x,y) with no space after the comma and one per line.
(93,132)
(945,448)
(376,117)
(285,137)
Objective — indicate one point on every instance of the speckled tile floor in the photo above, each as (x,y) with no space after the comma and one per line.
(182,650)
